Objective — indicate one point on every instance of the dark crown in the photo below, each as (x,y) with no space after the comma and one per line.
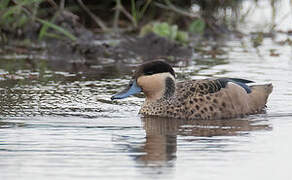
(154,67)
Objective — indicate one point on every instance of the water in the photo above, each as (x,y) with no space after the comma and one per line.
(62,125)
(58,123)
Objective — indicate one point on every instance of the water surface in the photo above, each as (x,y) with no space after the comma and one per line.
(57,120)
(62,125)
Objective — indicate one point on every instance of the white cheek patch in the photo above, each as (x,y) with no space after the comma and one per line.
(154,85)
(154,79)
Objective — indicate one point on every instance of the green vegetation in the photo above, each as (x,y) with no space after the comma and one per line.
(173,19)
(138,12)
(197,26)
(18,15)
(46,25)
(50,19)
(165,30)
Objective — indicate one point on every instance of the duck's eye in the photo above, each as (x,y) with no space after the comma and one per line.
(148,73)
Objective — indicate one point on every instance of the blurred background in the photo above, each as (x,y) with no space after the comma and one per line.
(62,60)
(106,31)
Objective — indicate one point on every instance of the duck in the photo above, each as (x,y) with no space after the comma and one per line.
(204,99)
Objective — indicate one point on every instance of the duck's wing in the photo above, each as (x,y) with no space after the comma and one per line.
(241,82)
(207,86)
(221,98)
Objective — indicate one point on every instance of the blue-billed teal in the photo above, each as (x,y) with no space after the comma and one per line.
(219,98)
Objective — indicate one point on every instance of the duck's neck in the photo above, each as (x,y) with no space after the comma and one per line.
(169,88)
(166,92)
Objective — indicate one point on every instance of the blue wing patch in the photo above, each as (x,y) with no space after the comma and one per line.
(240,82)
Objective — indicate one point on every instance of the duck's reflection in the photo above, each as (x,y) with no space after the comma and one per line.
(160,140)
(161,134)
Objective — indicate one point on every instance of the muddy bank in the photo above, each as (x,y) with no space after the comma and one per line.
(95,49)
(125,47)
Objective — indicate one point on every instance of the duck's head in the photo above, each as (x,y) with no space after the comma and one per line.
(155,78)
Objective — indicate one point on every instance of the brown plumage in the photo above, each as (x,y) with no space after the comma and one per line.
(196,99)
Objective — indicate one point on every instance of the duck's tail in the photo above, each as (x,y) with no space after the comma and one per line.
(259,95)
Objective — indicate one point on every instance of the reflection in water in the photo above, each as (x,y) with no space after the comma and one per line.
(161,134)
(81,98)
(6,124)
(160,145)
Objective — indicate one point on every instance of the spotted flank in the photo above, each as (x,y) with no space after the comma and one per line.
(219,98)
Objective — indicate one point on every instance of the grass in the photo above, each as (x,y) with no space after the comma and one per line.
(114,16)
(47,24)
(16,14)
(138,12)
